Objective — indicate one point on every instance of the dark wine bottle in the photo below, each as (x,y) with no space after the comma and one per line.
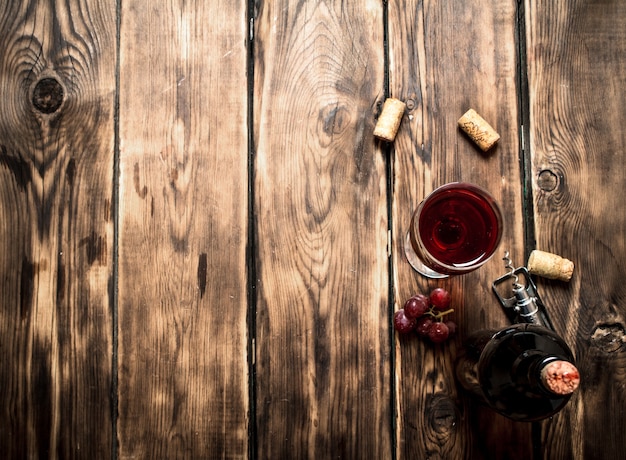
(525,372)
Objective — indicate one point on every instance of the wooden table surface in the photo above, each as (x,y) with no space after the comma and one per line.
(201,240)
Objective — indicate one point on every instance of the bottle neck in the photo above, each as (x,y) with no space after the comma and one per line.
(554,374)
(559,377)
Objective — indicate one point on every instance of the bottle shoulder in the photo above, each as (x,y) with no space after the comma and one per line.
(520,339)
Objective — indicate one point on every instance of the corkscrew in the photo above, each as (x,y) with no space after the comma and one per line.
(525,305)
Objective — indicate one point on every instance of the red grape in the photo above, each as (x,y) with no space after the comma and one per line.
(451,326)
(438,332)
(402,323)
(416,306)
(423,325)
(440,299)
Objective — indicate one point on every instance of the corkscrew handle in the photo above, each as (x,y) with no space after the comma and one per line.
(525,306)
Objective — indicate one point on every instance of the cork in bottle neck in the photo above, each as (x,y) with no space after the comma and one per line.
(560,377)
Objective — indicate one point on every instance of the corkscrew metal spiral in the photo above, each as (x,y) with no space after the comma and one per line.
(525,306)
(512,274)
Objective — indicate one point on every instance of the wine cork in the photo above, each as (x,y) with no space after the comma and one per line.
(478,130)
(550,266)
(560,377)
(389,119)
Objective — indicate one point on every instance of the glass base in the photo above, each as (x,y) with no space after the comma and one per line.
(416,262)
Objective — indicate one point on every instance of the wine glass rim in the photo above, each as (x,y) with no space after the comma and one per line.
(461,185)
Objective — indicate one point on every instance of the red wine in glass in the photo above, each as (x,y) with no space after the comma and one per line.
(455,230)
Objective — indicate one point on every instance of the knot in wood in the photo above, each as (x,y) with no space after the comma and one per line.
(48,95)
(609,337)
(335,119)
(547,180)
(442,415)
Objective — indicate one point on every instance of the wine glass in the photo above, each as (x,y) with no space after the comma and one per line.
(454,230)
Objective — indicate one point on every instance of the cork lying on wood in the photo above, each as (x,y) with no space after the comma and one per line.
(389,119)
(478,130)
(550,266)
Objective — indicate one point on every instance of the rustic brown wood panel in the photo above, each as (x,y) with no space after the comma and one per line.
(447,57)
(57,84)
(322,345)
(577,80)
(150,358)
(183,372)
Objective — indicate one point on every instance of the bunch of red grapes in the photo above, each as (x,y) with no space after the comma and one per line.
(426,316)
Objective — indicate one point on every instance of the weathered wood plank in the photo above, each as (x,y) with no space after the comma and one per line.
(447,57)
(577,79)
(183,372)
(57,84)
(322,350)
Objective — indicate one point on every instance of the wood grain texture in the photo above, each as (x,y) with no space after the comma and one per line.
(445,58)
(577,80)
(323,347)
(57,83)
(183,372)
